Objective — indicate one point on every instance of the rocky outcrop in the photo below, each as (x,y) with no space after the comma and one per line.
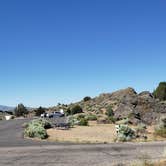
(126,103)
(141,107)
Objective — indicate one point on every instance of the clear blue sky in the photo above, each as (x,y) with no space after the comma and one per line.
(62,50)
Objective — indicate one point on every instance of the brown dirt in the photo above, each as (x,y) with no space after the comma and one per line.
(94,133)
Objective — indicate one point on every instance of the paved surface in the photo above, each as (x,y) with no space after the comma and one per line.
(11,134)
(15,151)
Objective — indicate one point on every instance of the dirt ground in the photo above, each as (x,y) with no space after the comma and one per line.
(94,133)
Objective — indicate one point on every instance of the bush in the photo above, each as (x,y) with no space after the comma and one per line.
(72,121)
(109,111)
(79,116)
(91,117)
(83,122)
(37,128)
(68,112)
(161,127)
(35,131)
(125,133)
(76,109)
(160,91)
(87,98)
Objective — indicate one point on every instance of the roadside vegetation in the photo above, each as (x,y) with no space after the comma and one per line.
(79,120)
(37,129)
(160,129)
(125,133)
(130,115)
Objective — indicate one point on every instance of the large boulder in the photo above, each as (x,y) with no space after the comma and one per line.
(124,94)
(138,108)
(123,111)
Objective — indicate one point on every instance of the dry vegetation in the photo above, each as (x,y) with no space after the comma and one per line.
(149,163)
(95,133)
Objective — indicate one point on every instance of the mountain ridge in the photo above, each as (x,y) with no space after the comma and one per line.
(6,108)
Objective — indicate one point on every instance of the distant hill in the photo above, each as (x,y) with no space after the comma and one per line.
(6,108)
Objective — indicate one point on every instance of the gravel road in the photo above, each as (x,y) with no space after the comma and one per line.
(15,151)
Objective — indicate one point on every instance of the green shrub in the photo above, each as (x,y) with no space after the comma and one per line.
(35,131)
(76,109)
(46,124)
(72,121)
(91,117)
(83,122)
(125,133)
(87,98)
(68,112)
(109,111)
(37,128)
(160,91)
(79,116)
(25,125)
(160,129)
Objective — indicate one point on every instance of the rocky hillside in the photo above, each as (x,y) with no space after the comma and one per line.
(126,103)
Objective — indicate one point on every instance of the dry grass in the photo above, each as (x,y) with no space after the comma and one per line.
(152,136)
(94,133)
(148,163)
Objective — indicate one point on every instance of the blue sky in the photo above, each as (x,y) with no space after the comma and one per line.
(62,50)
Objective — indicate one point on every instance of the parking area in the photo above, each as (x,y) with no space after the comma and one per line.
(11,134)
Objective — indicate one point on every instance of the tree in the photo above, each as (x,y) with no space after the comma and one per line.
(76,109)
(160,91)
(20,110)
(109,111)
(39,111)
(87,98)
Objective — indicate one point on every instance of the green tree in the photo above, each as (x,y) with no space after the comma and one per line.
(87,98)
(76,109)
(109,111)
(39,111)
(160,91)
(20,110)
